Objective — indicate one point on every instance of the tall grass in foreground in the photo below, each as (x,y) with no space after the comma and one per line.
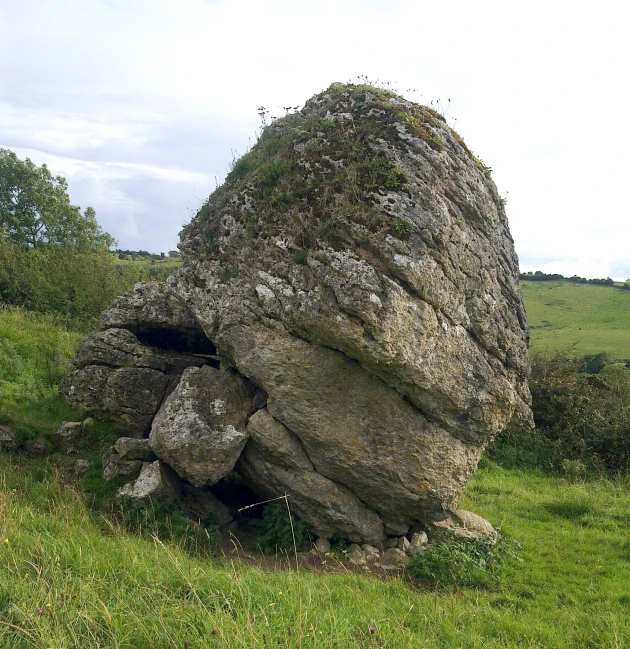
(69,578)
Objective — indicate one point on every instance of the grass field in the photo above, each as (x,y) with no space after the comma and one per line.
(69,578)
(578,318)
(72,576)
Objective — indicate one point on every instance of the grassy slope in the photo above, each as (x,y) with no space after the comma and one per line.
(585,318)
(108,588)
(67,577)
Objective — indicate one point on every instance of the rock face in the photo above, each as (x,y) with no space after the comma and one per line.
(357,267)
(200,429)
(120,378)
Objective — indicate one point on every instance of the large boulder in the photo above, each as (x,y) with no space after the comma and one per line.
(357,268)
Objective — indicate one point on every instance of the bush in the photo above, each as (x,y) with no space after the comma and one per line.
(579,417)
(277,534)
(466,563)
(66,281)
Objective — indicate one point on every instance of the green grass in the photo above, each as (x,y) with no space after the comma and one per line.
(35,352)
(68,577)
(72,575)
(582,318)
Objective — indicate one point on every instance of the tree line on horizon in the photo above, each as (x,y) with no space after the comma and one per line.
(539,276)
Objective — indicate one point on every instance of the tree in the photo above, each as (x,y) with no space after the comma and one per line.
(35,209)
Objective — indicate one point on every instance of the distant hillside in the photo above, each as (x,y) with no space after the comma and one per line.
(587,318)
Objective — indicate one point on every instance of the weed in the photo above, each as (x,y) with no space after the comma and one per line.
(277,534)
(300,256)
(226,273)
(402,227)
(456,563)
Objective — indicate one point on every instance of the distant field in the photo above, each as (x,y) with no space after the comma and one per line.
(580,318)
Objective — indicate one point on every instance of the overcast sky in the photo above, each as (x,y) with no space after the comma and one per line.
(141,104)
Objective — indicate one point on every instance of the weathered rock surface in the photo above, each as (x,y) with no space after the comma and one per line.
(202,505)
(280,445)
(114,466)
(200,429)
(68,433)
(155,482)
(330,508)
(130,448)
(357,267)
(120,379)
(158,318)
(8,439)
(463,524)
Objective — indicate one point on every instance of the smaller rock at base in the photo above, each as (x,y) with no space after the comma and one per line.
(81,467)
(132,448)
(464,525)
(372,554)
(8,439)
(356,555)
(202,505)
(36,447)
(68,433)
(403,544)
(322,545)
(155,482)
(394,559)
(87,424)
(419,538)
(418,543)
(114,466)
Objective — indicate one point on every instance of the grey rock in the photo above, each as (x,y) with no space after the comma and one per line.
(120,379)
(328,507)
(355,429)
(200,429)
(391,356)
(280,445)
(148,308)
(372,554)
(408,324)
(81,467)
(356,555)
(393,558)
(418,539)
(116,467)
(391,542)
(68,433)
(128,396)
(463,524)
(37,447)
(131,448)
(322,545)
(121,348)
(202,505)
(403,544)
(88,424)
(398,527)
(155,482)
(8,439)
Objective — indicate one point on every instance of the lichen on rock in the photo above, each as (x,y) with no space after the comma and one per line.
(357,268)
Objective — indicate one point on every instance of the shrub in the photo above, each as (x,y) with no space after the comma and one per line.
(579,417)
(469,563)
(402,227)
(277,533)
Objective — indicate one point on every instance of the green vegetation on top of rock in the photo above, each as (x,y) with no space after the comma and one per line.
(327,164)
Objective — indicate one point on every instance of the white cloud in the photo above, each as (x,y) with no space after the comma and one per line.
(173,86)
